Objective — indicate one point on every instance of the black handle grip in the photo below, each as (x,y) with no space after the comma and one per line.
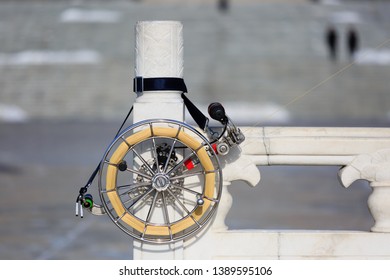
(217,112)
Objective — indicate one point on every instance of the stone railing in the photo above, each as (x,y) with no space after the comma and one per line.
(363,153)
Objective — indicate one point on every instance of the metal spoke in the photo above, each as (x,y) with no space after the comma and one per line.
(143,161)
(193,152)
(152,207)
(165,214)
(171,150)
(135,185)
(140,198)
(169,156)
(188,190)
(130,199)
(130,170)
(182,206)
(173,169)
(187,175)
(154,152)
(149,214)
(139,173)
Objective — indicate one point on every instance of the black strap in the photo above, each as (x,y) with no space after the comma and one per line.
(200,119)
(171,84)
(158,84)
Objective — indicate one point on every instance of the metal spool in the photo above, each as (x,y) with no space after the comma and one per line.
(160,181)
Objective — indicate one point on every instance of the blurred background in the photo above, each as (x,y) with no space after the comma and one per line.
(66,70)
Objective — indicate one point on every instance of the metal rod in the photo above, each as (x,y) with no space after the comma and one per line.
(140,198)
(169,156)
(187,175)
(139,173)
(154,152)
(152,206)
(189,190)
(173,169)
(143,161)
(182,206)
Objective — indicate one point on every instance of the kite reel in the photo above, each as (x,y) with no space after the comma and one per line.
(160,181)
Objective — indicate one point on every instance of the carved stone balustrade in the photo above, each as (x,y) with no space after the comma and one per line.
(364,153)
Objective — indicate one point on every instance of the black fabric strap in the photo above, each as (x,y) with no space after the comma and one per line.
(171,84)
(200,119)
(159,84)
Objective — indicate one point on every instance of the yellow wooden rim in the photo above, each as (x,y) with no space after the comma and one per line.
(134,222)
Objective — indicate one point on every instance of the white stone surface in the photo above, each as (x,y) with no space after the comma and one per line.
(333,245)
(313,141)
(159,53)
(373,167)
(258,244)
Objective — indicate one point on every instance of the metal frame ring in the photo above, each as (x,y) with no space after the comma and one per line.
(160,196)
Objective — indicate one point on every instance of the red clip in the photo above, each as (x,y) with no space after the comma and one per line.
(189,164)
(214,146)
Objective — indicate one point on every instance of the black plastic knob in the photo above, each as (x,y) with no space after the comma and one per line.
(217,112)
(122,166)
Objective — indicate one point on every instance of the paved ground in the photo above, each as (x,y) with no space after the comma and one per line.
(67,83)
